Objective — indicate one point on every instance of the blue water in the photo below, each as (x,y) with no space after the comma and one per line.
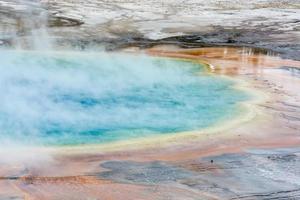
(79,98)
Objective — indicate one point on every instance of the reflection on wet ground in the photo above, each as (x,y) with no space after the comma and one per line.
(230,60)
(255,174)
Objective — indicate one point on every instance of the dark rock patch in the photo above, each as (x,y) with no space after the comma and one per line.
(56,21)
(10,198)
(281,195)
(295,71)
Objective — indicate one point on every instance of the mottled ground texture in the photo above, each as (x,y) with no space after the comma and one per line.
(273,24)
(255,174)
(252,175)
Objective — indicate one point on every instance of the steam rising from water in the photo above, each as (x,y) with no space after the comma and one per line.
(30,26)
(73,98)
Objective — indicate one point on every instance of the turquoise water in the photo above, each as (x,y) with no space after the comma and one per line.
(79,98)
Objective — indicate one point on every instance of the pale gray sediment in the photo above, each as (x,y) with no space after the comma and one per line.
(257,174)
(272,25)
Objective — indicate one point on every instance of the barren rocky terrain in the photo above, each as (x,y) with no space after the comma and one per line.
(116,23)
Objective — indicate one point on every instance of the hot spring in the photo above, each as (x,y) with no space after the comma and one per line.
(89,98)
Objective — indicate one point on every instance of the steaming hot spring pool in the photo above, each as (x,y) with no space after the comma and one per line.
(89,98)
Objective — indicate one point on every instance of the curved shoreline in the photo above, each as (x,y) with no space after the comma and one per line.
(244,110)
(247,113)
(183,138)
(249,107)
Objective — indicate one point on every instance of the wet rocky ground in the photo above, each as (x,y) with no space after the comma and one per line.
(115,24)
(255,174)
